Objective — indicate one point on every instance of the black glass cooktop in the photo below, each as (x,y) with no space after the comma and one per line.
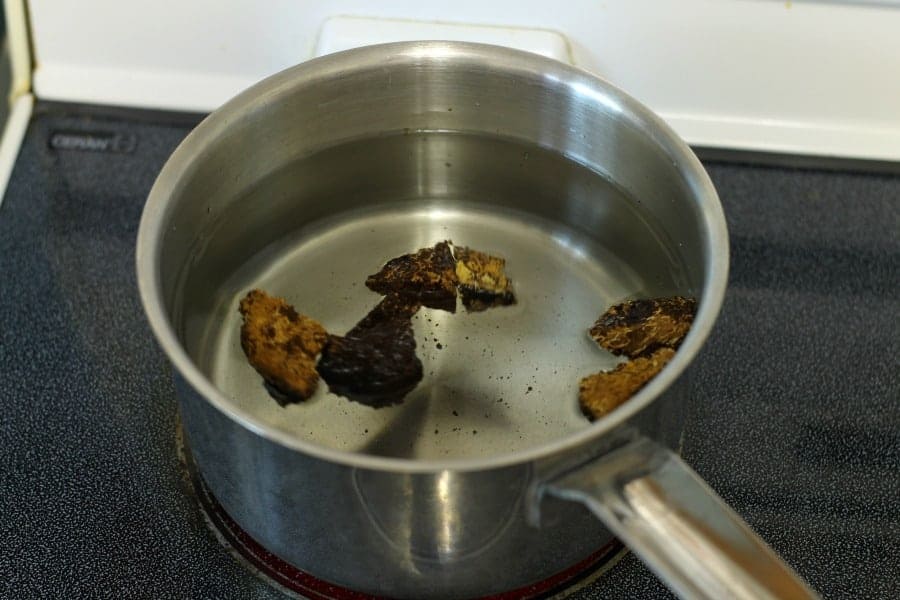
(795,418)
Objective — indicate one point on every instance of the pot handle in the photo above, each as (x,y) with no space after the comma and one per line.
(655,503)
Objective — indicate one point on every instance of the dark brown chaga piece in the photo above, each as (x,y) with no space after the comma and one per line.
(600,393)
(426,277)
(639,327)
(391,308)
(281,345)
(375,363)
(482,281)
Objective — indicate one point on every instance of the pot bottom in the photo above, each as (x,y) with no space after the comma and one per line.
(298,584)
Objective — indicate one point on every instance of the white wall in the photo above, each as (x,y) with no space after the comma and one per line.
(805,77)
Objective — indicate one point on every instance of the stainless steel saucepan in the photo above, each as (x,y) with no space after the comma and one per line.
(487,478)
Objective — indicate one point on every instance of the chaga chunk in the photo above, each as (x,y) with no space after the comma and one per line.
(482,282)
(640,327)
(600,393)
(391,308)
(375,363)
(281,345)
(377,367)
(426,277)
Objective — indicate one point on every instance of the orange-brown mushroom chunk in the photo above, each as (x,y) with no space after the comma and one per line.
(600,393)
(482,280)
(282,345)
(639,327)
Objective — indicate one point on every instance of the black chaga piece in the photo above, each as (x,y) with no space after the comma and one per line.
(375,363)
(426,277)
(391,308)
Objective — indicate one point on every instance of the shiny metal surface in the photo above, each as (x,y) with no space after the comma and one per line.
(443,534)
(309,181)
(663,511)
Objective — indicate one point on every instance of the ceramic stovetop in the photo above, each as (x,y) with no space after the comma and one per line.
(795,418)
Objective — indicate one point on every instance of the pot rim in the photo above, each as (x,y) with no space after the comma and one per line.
(443,53)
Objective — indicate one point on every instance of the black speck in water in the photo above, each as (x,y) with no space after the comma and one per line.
(366,431)
(439,346)
(435,431)
(529,389)
(455,414)
(446,164)
(474,431)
